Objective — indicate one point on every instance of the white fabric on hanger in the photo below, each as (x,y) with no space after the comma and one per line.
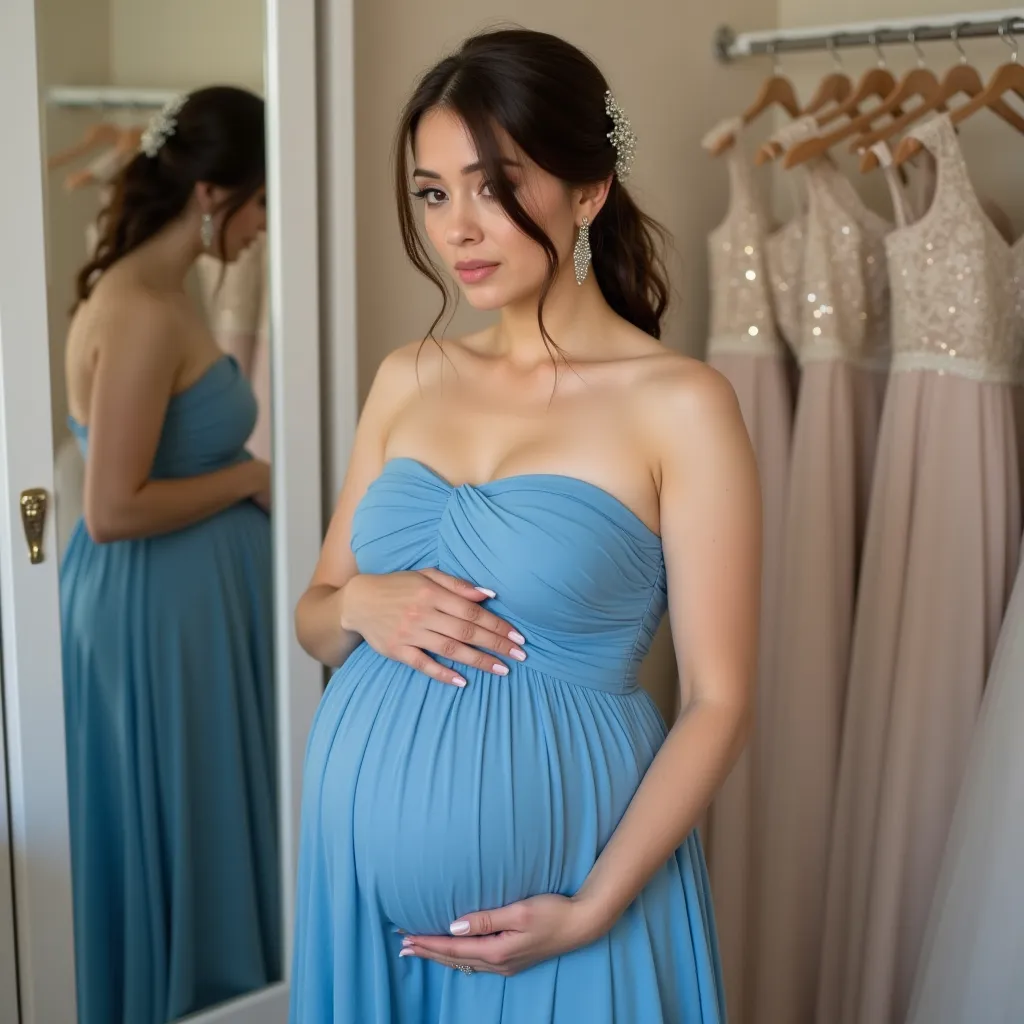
(972,961)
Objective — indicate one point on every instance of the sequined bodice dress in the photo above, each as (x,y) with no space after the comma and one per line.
(842,343)
(941,551)
(745,346)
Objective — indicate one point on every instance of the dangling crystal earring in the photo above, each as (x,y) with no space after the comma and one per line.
(206,231)
(581,252)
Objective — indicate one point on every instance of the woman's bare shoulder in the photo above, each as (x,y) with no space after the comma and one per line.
(123,314)
(681,398)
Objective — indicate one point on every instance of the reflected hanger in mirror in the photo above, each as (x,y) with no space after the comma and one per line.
(107,165)
(1006,79)
(834,88)
(776,91)
(918,82)
(961,79)
(102,134)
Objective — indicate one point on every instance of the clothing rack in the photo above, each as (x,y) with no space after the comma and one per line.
(1009,24)
(108,97)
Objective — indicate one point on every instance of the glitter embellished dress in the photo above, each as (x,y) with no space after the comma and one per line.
(744,347)
(942,544)
(786,244)
(843,350)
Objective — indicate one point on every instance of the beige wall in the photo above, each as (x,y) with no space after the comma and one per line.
(995,152)
(662,72)
(183,44)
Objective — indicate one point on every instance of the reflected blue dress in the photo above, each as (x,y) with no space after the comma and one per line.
(423,802)
(169,714)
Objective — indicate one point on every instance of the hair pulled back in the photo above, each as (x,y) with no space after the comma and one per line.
(219,138)
(550,99)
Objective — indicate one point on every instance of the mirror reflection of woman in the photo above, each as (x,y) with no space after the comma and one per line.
(166,594)
(496,828)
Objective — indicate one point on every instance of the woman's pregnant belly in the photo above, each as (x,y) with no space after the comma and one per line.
(452,801)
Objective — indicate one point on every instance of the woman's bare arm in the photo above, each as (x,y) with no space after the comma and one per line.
(711,534)
(137,363)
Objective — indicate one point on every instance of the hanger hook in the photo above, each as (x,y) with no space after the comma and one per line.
(776,63)
(912,39)
(873,40)
(1007,36)
(954,36)
(833,49)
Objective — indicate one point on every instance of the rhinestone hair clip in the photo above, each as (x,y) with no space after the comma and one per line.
(622,137)
(162,125)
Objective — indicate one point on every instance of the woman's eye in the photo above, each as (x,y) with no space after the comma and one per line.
(488,192)
(432,196)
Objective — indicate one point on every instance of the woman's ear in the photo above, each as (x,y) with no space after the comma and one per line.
(589,200)
(208,197)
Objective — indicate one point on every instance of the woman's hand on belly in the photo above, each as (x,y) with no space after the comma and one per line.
(407,616)
(512,939)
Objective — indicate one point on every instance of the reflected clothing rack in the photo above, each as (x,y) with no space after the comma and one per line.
(108,97)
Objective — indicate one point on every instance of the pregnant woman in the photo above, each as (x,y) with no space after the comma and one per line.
(166,595)
(496,828)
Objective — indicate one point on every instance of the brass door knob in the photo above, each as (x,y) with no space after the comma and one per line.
(33,518)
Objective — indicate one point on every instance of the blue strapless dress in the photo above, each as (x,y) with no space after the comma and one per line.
(171,738)
(424,802)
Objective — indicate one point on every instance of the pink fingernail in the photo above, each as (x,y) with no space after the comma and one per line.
(406,942)
(486,592)
(518,654)
(459,928)
(517,638)
(501,670)
(459,681)
(406,952)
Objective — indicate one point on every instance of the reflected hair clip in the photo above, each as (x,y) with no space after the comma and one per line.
(162,125)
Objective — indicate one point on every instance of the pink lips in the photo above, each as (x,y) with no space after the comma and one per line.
(474,271)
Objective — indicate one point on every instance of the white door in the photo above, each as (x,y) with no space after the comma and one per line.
(41,924)
(8,946)
(28,599)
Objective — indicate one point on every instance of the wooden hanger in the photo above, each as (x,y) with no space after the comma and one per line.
(918,82)
(776,91)
(100,134)
(834,88)
(1008,78)
(961,79)
(878,81)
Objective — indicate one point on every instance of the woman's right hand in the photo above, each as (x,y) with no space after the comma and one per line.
(404,615)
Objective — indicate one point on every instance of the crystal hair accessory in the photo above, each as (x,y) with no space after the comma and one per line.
(162,125)
(621,136)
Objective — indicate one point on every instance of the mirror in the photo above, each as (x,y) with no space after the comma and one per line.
(158,290)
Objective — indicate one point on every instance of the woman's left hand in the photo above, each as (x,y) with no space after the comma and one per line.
(511,939)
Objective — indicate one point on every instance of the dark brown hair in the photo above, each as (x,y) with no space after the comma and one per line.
(550,99)
(219,138)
